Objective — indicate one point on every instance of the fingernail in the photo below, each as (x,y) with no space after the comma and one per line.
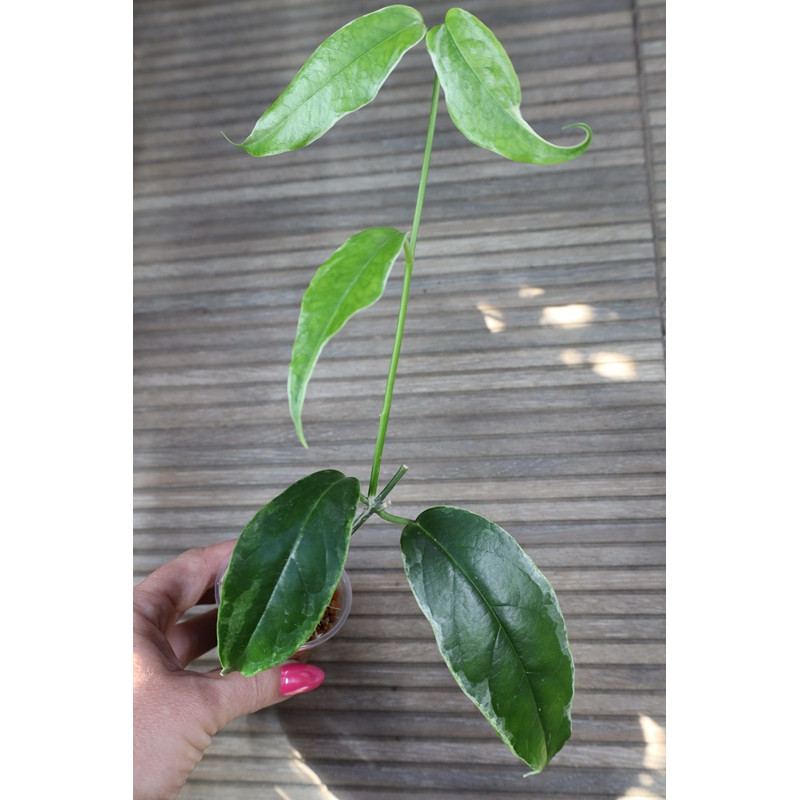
(299,678)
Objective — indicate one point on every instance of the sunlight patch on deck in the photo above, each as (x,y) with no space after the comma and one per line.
(493,317)
(609,364)
(575,315)
(652,780)
(312,786)
(613,365)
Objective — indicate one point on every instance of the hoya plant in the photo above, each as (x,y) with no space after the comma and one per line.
(494,615)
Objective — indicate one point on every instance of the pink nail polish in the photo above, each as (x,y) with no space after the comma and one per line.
(299,678)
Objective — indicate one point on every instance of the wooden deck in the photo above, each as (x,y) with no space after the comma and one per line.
(531,386)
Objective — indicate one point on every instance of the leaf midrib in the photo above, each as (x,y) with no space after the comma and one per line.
(302,376)
(499,622)
(356,278)
(292,110)
(292,552)
(507,112)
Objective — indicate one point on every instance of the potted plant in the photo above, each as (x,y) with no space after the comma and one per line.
(495,617)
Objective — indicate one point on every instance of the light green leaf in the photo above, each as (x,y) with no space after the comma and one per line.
(343,74)
(483,94)
(353,278)
(498,626)
(284,570)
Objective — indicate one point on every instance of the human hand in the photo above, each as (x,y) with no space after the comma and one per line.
(176,711)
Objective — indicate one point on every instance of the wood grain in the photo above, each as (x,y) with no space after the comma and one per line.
(531,386)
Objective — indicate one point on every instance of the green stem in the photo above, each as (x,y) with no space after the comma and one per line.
(410,247)
(377,504)
(394,518)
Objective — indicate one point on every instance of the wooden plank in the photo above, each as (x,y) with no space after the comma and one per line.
(551,424)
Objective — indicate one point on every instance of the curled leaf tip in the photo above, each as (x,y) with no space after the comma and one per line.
(585,128)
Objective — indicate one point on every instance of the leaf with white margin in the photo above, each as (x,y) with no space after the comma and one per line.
(343,74)
(483,94)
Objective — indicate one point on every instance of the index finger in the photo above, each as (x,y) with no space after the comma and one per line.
(164,595)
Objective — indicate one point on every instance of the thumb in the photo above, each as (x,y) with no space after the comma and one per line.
(239,694)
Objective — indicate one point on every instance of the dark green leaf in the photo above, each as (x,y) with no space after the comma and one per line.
(284,570)
(343,74)
(353,278)
(483,93)
(498,626)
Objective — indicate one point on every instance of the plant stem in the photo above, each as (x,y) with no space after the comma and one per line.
(377,504)
(409,247)
(394,518)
